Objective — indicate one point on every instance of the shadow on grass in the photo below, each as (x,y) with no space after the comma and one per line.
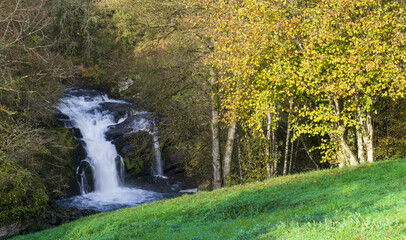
(312,198)
(304,198)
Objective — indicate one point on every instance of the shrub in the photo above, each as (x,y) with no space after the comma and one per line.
(21,195)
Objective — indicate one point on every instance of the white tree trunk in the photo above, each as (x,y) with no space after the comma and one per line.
(274,152)
(346,156)
(365,133)
(360,136)
(239,159)
(368,138)
(215,133)
(229,150)
(285,162)
(291,154)
(268,145)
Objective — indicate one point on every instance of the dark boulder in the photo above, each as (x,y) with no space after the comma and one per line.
(137,152)
(119,110)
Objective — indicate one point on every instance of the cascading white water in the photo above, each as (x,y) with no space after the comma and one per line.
(93,124)
(86,114)
(145,125)
(158,159)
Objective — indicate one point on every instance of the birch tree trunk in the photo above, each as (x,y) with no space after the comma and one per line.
(360,134)
(274,152)
(285,161)
(291,154)
(268,145)
(368,137)
(365,134)
(239,159)
(215,132)
(271,150)
(229,150)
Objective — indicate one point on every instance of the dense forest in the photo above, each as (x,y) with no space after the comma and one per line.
(243,90)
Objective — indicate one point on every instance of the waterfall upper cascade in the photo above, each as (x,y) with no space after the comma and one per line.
(86,113)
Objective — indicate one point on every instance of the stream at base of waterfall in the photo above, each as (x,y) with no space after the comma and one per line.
(87,112)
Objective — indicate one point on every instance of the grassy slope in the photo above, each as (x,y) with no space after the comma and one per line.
(364,202)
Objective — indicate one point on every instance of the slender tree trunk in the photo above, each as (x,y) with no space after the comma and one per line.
(229,150)
(368,138)
(215,132)
(310,156)
(360,147)
(268,145)
(365,133)
(360,134)
(291,154)
(239,159)
(271,150)
(274,153)
(295,158)
(285,161)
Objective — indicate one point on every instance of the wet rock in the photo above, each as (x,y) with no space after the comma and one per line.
(61,117)
(137,152)
(78,156)
(84,174)
(86,93)
(139,121)
(119,110)
(76,133)
(157,184)
(116,132)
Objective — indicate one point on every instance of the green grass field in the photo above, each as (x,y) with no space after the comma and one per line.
(364,202)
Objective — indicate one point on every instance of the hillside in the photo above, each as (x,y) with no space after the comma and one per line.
(349,203)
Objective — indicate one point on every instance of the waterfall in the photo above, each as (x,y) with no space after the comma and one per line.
(143,124)
(86,113)
(157,151)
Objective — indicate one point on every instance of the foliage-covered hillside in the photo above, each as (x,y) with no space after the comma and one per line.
(35,151)
(363,202)
(242,90)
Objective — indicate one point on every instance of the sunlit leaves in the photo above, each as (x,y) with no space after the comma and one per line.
(338,56)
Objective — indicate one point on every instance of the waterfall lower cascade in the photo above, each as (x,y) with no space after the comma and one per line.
(86,113)
(142,124)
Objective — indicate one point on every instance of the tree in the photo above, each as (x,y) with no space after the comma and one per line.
(352,56)
(333,58)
